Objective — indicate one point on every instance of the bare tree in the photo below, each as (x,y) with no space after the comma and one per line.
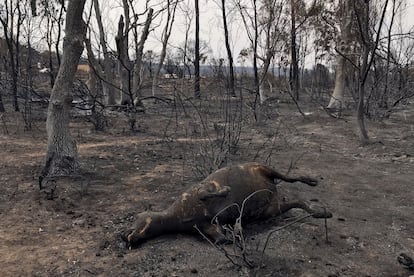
(12,19)
(124,64)
(61,156)
(344,58)
(2,109)
(395,7)
(59,30)
(28,31)
(299,15)
(264,33)
(250,22)
(369,48)
(108,76)
(183,52)
(139,51)
(197,93)
(51,17)
(294,65)
(229,53)
(130,72)
(166,33)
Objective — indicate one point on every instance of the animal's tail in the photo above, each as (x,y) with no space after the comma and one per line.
(273,174)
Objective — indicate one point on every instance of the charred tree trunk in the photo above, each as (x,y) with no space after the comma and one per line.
(294,66)
(27,114)
(255,45)
(124,67)
(166,36)
(61,156)
(384,97)
(197,93)
(12,42)
(363,19)
(229,53)
(2,110)
(52,70)
(108,76)
(139,53)
(14,85)
(59,31)
(369,48)
(13,72)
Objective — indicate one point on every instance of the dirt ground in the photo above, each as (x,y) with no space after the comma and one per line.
(72,226)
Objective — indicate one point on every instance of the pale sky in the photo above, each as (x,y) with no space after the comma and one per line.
(211,29)
(210,25)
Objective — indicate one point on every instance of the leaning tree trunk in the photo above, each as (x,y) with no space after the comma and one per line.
(61,156)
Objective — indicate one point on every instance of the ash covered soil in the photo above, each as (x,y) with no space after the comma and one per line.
(72,227)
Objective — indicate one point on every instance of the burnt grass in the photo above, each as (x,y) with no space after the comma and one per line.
(72,226)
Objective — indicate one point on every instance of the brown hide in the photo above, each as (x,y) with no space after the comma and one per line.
(223,194)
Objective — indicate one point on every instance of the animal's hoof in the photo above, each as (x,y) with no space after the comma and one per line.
(124,237)
(322,215)
(406,261)
(310,181)
(223,241)
(320,212)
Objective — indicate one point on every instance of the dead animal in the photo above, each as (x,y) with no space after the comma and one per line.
(220,196)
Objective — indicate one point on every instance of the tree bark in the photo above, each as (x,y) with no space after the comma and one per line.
(123,61)
(166,36)
(363,134)
(59,31)
(139,53)
(8,35)
(255,45)
(337,99)
(294,67)
(384,97)
(338,96)
(95,73)
(108,76)
(197,93)
(2,110)
(368,53)
(229,53)
(61,156)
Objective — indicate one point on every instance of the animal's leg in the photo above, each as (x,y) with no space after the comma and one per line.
(277,207)
(212,190)
(273,174)
(315,210)
(303,179)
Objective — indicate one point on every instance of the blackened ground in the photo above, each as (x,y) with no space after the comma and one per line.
(72,227)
